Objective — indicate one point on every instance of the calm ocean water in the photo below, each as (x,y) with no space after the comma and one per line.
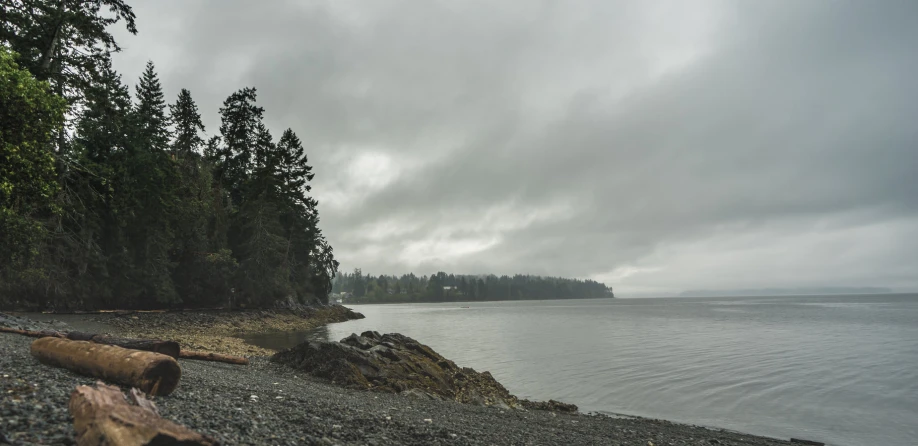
(837,369)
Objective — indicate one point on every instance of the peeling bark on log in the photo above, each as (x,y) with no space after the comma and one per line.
(137,397)
(169,348)
(153,373)
(102,417)
(205,356)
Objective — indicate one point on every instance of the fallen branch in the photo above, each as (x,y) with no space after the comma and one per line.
(169,348)
(32,334)
(102,416)
(206,356)
(153,373)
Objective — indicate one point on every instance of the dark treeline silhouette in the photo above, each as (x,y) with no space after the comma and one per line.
(109,199)
(442,287)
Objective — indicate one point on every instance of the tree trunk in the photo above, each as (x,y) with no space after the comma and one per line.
(169,348)
(205,356)
(153,373)
(49,52)
(102,417)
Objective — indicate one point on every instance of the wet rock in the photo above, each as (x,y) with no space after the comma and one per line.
(417,393)
(398,364)
(552,405)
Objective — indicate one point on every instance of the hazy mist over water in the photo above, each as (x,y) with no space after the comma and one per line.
(837,369)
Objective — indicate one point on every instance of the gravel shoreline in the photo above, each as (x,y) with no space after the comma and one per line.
(266,403)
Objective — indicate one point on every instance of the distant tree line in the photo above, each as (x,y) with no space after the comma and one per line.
(109,199)
(442,287)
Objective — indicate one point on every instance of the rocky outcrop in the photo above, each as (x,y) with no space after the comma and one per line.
(552,405)
(399,364)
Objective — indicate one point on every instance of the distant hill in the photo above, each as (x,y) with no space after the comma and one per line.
(442,287)
(786,291)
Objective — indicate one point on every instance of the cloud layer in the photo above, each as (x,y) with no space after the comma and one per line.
(653,145)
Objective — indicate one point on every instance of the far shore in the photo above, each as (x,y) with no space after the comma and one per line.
(469,302)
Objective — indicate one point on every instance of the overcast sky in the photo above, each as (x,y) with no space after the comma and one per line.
(655,146)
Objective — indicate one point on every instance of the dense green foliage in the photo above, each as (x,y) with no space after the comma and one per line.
(122,204)
(29,116)
(442,287)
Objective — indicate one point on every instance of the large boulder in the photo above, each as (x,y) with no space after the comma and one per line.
(399,364)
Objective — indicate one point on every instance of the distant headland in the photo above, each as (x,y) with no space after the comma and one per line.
(358,287)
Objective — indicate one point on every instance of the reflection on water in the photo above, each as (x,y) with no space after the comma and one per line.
(838,369)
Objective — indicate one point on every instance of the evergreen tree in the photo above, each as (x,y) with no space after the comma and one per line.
(294,170)
(152,123)
(204,266)
(87,257)
(150,188)
(257,236)
(239,128)
(187,121)
(65,42)
(103,128)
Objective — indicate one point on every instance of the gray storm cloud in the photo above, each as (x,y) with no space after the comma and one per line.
(655,146)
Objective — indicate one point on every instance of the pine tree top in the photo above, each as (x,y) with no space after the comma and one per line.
(150,112)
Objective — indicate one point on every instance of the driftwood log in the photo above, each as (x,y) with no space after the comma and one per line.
(207,356)
(169,348)
(153,373)
(102,417)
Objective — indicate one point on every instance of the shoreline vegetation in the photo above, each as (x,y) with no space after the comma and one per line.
(269,402)
(360,288)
